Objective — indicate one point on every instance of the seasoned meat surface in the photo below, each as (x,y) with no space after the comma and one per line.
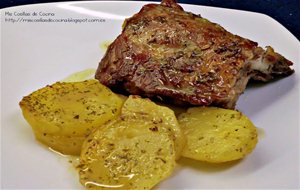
(180,57)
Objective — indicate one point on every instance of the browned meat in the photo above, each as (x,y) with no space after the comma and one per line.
(181,57)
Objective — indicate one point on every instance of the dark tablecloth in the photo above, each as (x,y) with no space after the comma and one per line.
(286,12)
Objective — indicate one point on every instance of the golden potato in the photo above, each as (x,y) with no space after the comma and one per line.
(68,112)
(159,117)
(132,152)
(217,135)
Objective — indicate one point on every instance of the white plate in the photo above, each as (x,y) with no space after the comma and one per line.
(39,53)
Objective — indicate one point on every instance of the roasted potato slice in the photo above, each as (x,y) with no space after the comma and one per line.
(160,117)
(132,152)
(217,135)
(68,112)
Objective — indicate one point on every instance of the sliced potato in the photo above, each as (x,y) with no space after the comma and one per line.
(132,152)
(217,135)
(160,117)
(63,112)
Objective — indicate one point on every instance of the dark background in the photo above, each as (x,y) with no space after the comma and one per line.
(287,12)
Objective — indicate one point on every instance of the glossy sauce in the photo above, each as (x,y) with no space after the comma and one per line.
(261,133)
(80,76)
(73,160)
(104,45)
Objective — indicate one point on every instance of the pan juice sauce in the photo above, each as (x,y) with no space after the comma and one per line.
(74,160)
(85,74)
(71,164)
(261,133)
(74,168)
(104,45)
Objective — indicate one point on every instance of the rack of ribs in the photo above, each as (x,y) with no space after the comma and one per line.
(164,52)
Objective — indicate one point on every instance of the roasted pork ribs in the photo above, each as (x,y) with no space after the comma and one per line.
(170,54)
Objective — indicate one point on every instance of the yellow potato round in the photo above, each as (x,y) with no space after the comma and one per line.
(65,110)
(129,153)
(160,117)
(217,135)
